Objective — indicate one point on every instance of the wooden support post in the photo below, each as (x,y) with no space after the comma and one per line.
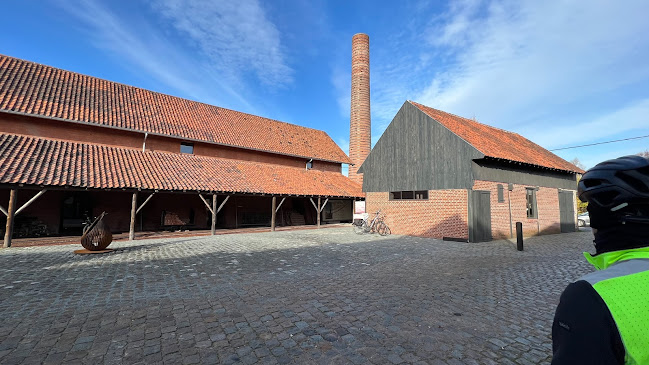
(213,214)
(319,210)
(31,201)
(206,203)
(280,204)
(273,213)
(11,213)
(131,231)
(143,204)
(223,203)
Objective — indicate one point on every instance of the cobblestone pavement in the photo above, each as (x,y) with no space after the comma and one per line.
(321,296)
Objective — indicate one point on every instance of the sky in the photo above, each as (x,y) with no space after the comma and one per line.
(560,73)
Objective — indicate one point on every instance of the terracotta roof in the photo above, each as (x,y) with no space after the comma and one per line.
(35,89)
(498,143)
(49,162)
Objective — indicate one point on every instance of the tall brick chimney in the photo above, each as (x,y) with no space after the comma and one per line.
(360,132)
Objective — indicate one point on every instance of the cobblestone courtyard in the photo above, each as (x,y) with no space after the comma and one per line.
(319,296)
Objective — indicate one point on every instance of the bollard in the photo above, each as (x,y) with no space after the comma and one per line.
(519,236)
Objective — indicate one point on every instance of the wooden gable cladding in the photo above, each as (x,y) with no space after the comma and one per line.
(417,153)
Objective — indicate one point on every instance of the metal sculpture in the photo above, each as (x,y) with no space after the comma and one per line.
(96,236)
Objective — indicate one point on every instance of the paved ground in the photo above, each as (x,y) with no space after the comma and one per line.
(319,296)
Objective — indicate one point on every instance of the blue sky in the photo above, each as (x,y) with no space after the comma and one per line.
(561,73)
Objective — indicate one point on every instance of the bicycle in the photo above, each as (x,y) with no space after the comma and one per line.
(376,225)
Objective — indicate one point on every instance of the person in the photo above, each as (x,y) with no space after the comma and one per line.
(603,318)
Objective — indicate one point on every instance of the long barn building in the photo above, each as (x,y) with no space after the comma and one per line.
(73,146)
(439,175)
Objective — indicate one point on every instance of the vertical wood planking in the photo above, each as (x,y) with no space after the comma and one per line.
(418,153)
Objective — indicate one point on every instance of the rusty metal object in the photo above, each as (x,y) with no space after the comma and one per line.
(96,236)
(87,252)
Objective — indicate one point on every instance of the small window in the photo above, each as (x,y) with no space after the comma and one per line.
(309,165)
(530,194)
(186,147)
(501,193)
(409,195)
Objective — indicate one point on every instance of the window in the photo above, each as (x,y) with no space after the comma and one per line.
(409,195)
(530,194)
(501,193)
(186,147)
(309,165)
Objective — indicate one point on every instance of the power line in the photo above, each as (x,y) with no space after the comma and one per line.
(594,144)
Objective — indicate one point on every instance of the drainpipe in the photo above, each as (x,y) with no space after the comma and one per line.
(146,134)
(510,187)
(538,216)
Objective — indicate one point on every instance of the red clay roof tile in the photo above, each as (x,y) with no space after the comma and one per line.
(36,89)
(498,143)
(40,161)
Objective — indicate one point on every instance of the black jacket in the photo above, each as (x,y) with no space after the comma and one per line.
(584,331)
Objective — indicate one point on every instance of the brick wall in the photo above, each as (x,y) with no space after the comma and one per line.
(444,214)
(40,127)
(547,200)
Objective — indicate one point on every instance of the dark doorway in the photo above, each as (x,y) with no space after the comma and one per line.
(480,216)
(566,211)
(75,209)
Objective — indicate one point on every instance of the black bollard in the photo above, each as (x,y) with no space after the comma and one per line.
(519,236)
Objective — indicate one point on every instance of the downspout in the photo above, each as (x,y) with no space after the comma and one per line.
(538,216)
(509,200)
(146,134)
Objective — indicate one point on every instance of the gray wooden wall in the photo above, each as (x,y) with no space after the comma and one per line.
(499,171)
(417,153)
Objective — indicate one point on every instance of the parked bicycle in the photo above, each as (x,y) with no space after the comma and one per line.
(375,225)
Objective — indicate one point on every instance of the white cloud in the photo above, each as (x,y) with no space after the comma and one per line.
(341,81)
(631,118)
(343,143)
(523,57)
(235,36)
(215,75)
(545,69)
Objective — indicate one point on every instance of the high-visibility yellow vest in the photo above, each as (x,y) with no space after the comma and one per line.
(622,280)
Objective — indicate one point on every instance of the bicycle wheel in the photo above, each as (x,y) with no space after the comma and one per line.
(383,229)
(360,228)
(366,227)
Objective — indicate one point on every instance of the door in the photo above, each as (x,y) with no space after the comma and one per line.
(76,207)
(566,211)
(480,216)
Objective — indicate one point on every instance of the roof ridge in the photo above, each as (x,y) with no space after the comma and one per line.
(465,118)
(490,141)
(155,92)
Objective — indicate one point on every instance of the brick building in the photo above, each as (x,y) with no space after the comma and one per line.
(72,146)
(439,175)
